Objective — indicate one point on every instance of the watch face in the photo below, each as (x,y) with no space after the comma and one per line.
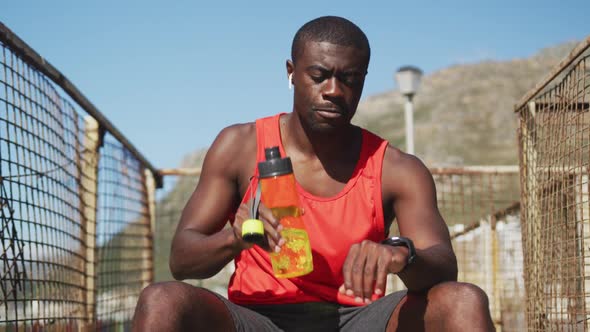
(394,241)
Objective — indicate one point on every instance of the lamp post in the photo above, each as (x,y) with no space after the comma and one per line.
(408,81)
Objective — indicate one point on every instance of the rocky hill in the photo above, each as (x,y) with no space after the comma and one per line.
(464,115)
(168,210)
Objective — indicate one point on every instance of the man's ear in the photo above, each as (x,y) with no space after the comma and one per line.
(290,67)
(290,70)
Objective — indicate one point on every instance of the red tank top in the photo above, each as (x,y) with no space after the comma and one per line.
(333,224)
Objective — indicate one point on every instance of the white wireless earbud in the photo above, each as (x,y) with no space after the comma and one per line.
(290,81)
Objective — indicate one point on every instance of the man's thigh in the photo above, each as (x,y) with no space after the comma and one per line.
(246,320)
(372,317)
(318,316)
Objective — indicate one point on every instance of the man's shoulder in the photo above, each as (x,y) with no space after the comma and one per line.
(237,132)
(400,167)
(396,158)
(234,143)
(240,131)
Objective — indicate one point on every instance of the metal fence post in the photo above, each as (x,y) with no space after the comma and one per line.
(496,304)
(531,237)
(88,196)
(148,256)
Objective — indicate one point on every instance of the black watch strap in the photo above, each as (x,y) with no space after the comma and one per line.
(400,241)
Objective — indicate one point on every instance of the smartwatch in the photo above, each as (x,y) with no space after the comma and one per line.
(400,241)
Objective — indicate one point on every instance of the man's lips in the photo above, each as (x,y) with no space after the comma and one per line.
(330,113)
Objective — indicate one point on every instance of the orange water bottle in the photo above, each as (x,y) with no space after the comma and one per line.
(279,194)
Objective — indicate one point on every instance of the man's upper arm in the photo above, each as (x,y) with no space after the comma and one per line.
(414,200)
(217,193)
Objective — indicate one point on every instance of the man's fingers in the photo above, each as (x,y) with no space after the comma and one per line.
(347,269)
(272,228)
(370,269)
(273,236)
(266,214)
(358,268)
(365,270)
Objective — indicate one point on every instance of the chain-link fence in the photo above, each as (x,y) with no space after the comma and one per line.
(76,204)
(480,204)
(554,139)
(42,254)
(124,233)
(487,242)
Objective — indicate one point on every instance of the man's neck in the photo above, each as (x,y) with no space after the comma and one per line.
(307,143)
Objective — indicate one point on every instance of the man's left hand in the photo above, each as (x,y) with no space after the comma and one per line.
(366,268)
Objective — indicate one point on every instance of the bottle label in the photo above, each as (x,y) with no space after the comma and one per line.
(295,257)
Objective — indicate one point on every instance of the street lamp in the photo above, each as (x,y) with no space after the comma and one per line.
(408,80)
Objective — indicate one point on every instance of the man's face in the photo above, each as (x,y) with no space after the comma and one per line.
(328,81)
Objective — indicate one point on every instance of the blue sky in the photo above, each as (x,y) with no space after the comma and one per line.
(171,74)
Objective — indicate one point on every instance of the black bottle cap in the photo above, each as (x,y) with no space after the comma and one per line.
(255,238)
(274,164)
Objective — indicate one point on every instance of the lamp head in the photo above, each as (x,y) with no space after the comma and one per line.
(408,80)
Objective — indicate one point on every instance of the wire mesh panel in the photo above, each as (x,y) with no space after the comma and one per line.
(491,257)
(60,269)
(476,261)
(554,136)
(470,194)
(41,250)
(480,204)
(123,235)
(509,287)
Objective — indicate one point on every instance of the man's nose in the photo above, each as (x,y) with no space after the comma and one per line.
(332,88)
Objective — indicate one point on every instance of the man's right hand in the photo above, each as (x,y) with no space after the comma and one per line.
(272,228)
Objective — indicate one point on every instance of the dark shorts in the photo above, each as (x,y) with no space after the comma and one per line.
(314,316)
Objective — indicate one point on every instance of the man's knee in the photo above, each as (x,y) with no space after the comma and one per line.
(458,297)
(170,294)
(177,306)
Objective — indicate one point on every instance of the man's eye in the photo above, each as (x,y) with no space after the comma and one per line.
(317,78)
(351,79)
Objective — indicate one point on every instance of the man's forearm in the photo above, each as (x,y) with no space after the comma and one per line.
(430,267)
(198,256)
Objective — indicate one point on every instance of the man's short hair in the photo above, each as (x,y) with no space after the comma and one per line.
(332,29)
